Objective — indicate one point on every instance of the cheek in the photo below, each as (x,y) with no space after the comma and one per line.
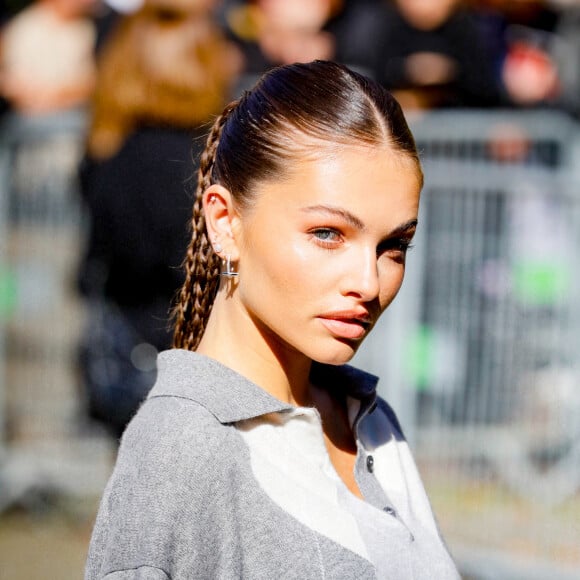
(272,269)
(391,279)
(285,273)
(298,267)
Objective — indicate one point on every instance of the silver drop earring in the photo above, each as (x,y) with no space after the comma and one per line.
(228,271)
(217,247)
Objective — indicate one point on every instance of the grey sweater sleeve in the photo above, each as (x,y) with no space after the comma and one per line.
(154,517)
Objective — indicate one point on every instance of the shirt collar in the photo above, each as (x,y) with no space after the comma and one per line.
(231,397)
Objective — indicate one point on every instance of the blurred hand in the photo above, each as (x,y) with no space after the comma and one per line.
(31,98)
(430,68)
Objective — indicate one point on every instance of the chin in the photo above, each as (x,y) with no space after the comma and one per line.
(338,354)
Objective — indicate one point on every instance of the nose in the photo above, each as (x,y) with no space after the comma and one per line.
(361,277)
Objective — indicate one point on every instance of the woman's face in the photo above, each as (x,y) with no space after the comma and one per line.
(427,14)
(305,15)
(322,253)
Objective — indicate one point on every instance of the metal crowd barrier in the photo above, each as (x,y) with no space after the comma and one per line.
(44,446)
(480,354)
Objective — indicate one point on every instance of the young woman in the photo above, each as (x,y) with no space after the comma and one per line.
(258,453)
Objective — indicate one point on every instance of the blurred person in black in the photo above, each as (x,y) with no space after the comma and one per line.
(277,32)
(430,55)
(164,72)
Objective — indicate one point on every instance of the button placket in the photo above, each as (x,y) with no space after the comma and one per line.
(391,511)
(370,463)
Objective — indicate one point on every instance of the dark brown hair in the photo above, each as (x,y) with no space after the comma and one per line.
(256,138)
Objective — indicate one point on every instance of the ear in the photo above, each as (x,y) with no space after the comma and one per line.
(221,220)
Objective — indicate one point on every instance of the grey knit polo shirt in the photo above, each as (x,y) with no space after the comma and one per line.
(215,478)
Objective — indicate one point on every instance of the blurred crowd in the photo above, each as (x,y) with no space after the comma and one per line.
(432,53)
(152,75)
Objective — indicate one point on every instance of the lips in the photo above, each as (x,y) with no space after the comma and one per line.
(349,325)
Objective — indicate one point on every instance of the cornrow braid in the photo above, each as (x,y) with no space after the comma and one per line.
(201,264)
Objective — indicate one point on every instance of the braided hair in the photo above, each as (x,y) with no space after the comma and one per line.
(202,265)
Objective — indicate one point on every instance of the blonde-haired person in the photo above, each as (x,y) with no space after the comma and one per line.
(259,453)
(164,73)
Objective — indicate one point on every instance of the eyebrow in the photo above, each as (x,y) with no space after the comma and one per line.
(404,227)
(357,222)
(336,211)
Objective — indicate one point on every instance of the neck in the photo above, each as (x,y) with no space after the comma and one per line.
(235,339)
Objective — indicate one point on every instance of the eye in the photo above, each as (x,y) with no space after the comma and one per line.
(395,248)
(326,237)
